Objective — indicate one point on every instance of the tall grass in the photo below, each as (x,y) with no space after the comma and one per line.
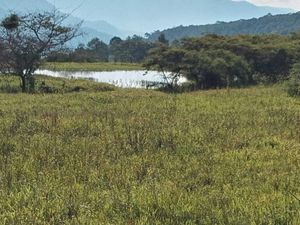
(145,157)
(46,84)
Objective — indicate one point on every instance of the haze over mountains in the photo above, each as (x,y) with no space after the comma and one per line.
(91,29)
(108,18)
(150,15)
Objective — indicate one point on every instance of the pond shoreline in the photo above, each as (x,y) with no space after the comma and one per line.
(93,67)
(119,78)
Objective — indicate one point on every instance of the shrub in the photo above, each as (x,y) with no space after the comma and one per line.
(293,84)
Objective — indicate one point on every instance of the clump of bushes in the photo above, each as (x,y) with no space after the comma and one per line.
(293,84)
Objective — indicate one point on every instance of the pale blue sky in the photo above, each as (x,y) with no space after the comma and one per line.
(294,4)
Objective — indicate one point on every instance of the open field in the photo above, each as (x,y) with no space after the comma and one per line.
(102,66)
(145,157)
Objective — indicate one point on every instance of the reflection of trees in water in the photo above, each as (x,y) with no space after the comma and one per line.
(138,84)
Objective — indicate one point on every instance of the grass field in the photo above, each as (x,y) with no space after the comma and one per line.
(145,157)
(91,66)
(46,84)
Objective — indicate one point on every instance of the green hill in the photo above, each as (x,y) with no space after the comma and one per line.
(275,24)
(148,16)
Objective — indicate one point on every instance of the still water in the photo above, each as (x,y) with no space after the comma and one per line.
(125,79)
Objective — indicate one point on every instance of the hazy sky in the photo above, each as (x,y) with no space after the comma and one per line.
(294,4)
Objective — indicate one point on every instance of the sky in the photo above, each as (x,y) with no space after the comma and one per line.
(294,4)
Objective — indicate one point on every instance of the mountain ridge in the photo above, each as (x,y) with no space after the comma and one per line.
(141,15)
(269,24)
(148,16)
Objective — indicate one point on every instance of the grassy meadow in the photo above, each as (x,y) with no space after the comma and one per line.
(97,66)
(113,156)
(46,84)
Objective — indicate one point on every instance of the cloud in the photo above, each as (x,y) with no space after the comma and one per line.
(294,4)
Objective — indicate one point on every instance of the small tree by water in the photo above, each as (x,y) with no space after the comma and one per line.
(26,40)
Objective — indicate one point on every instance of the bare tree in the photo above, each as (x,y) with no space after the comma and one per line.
(26,40)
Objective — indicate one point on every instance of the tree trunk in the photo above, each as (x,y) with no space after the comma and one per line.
(23,84)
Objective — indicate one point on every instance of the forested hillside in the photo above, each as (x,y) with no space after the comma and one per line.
(275,24)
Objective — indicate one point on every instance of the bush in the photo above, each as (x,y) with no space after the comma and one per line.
(293,84)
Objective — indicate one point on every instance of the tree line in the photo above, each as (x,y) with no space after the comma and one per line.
(132,50)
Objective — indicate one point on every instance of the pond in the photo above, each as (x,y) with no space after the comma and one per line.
(125,79)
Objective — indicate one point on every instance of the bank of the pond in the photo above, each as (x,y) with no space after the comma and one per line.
(48,84)
(99,66)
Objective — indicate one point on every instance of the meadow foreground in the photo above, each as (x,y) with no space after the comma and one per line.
(146,157)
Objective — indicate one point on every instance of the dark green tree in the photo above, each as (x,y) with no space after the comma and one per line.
(206,68)
(293,84)
(162,39)
(98,49)
(133,49)
(167,61)
(115,49)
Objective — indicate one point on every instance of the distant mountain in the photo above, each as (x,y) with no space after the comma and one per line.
(101,29)
(103,26)
(89,34)
(151,15)
(139,16)
(269,24)
(26,5)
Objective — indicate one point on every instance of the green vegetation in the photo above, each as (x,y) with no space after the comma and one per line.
(131,50)
(293,84)
(100,66)
(221,61)
(270,24)
(45,84)
(226,157)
